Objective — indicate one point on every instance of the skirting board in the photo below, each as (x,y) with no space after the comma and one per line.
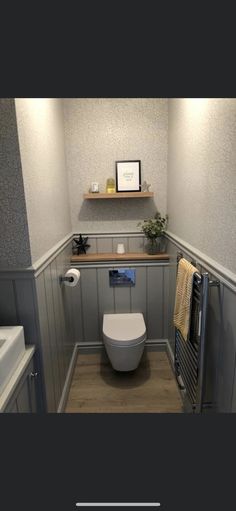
(95,347)
(69,376)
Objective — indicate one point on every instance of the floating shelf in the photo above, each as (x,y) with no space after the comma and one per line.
(129,256)
(118,195)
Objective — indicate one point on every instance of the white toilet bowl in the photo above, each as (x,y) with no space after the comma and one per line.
(124,337)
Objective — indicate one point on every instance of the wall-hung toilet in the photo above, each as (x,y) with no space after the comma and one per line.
(124,337)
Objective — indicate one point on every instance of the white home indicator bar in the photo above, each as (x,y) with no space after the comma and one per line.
(118,504)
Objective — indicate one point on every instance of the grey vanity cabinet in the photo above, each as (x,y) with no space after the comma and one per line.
(24,398)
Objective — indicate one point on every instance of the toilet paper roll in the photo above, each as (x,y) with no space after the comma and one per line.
(72,273)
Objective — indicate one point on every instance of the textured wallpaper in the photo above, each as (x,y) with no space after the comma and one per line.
(14,236)
(202,176)
(42,149)
(100,131)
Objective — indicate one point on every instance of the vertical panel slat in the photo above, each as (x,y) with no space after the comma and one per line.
(228,343)
(57,313)
(105,295)
(104,245)
(68,301)
(166,285)
(26,309)
(171,303)
(90,304)
(45,343)
(154,302)
(138,293)
(52,332)
(61,269)
(213,343)
(77,312)
(136,244)
(8,311)
(122,299)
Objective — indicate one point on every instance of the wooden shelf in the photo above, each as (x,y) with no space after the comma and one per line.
(118,195)
(129,256)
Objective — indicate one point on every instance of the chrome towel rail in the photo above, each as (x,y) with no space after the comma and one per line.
(190,355)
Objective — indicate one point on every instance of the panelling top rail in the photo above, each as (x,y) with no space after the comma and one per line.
(211,283)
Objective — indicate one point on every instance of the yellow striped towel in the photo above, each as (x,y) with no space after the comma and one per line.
(183,296)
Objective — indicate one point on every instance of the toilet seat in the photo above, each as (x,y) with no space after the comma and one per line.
(124,329)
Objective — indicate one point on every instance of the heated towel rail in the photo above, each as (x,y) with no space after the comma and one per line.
(189,356)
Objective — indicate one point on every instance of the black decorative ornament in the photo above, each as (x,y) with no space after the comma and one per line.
(80,245)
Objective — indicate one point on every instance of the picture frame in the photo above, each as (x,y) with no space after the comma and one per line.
(128,176)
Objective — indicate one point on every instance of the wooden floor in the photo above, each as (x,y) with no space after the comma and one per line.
(96,387)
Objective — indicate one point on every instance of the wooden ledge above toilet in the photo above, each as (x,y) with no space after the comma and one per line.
(129,256)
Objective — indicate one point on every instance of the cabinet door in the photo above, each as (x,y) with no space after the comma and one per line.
(24,398)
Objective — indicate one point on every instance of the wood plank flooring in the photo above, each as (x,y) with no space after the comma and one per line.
(97,388)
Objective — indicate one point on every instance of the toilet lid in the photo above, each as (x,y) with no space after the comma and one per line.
(124,327)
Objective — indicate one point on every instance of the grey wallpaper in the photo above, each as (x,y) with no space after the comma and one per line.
(202,175)
(100,131)
(14,236)
(42,149)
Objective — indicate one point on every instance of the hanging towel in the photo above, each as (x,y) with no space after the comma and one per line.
(183,296)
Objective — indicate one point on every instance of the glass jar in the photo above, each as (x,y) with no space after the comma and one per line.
(110,186)
(153,245)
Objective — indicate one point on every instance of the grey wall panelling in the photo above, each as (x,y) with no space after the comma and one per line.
(108,243)
(62,263)
(220,377)
(122,297)
(155,302)
(171,304)
(214,344)
(45,344)
(43,307)
(8,311)
(58,329)
(90,304)
(77,312)
(25,305)
(51,321)
(93,245)
(104,245)
(18,307)
(56,316)
(136,244)
(166,288)
(138,292)
(227,353)
(95,297)
(56,325)
(106,297)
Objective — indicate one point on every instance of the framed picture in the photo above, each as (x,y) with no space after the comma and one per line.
(128,176)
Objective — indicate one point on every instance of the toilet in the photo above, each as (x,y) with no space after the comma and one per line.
(124,337)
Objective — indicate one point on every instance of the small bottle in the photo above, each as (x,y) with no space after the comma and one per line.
(110,186)
(94,187)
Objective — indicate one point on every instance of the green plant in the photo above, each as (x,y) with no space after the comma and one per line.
(154,227)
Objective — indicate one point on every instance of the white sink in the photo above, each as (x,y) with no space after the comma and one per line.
(12,349)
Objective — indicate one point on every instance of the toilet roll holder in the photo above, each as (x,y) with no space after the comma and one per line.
(67,279)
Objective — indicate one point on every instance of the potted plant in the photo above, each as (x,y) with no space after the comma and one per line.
(154,228)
